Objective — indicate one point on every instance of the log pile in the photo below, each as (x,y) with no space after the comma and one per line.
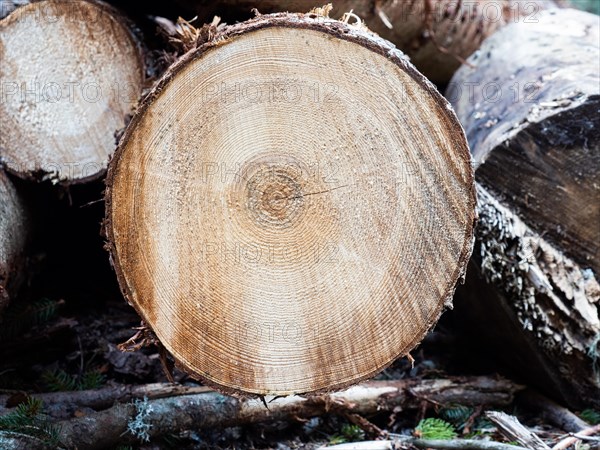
(290,206)
(437,35)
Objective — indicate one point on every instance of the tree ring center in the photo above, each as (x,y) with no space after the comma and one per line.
(275,196)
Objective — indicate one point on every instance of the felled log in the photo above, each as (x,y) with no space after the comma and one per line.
(70,74)
(60,404)
(154,418)
(531,116)
(437,35)
(445,444)
(14,226)
(291,207)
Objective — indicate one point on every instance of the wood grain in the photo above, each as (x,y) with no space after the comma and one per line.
(531,116)
(291,208)
(70,74)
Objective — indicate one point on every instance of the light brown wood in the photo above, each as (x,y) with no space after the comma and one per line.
(436,34)
(70,73)
(291,208)
(14,226)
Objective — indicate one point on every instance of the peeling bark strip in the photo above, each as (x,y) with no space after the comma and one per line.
(436,34)
(292,206)
(531,114)
(13,238)
(539,306)
(153,418)
(70,74)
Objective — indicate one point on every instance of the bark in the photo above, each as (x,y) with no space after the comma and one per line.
(393,225)
(450,444)
(531,117)
(17,441)
(59,404)
(536,307)
(553,413)
(14,225)
(532,287)
(212,410)
(513,430)
(71,74)
(437,35)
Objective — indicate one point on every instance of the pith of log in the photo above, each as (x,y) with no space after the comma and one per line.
(14,225)
(437,35)
(538,308)
(212,410)
(530,111)
(215,211)
(70,74)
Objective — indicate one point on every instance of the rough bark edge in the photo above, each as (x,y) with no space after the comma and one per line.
(11,275)
(341,30)
(571,120)
(146,64)
(528,272)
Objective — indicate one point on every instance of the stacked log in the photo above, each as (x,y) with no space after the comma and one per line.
(530,112)
(14,230)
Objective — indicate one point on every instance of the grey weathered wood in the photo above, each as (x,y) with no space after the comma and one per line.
(530,108)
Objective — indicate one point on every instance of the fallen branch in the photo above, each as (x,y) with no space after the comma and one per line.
(510,427)
(453,444)
(100,398)
(554,413)
(150,418)
(572,439)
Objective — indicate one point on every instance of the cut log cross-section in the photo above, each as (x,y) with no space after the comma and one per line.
(292,206)
(70,73)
